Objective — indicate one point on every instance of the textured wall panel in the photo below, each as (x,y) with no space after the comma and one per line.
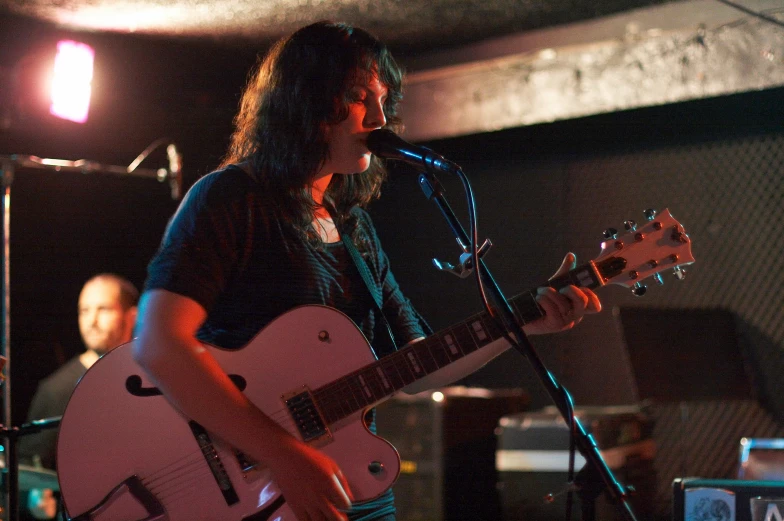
(728,193)
(539,84)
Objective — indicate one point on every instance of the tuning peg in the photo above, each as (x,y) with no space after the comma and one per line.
(610,233)
(659,280)
(679,273)
(650,214)
(639,289)
(630,226)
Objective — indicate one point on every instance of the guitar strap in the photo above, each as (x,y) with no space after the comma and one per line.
(372,289)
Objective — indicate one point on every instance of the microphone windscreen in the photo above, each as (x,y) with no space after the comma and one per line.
(385,143)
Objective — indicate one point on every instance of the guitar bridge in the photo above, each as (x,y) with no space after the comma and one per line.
(307,417)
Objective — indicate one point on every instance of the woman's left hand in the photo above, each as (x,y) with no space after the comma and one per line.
(565,308)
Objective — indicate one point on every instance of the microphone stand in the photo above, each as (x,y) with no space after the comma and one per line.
(595,465)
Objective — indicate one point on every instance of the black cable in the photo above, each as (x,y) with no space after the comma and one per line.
(475,258)
(569,404)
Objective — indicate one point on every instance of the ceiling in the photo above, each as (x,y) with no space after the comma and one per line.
(407,26)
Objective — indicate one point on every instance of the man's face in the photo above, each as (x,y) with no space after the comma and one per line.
(103,322)
(348,152)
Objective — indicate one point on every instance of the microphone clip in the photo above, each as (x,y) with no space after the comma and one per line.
(465,266)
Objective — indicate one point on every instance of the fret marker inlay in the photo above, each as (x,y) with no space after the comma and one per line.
(383,378)
(414,363)
(451,343)
(479,330)
(365,387)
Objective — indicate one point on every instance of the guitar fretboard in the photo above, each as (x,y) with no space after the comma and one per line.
(379,380)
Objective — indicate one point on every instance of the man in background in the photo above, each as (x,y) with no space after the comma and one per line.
(107,314)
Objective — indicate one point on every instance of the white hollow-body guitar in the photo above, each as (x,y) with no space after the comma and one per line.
(125,454)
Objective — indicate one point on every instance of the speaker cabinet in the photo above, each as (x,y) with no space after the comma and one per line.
(446,440)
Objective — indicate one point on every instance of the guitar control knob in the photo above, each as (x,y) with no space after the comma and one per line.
(376,467)
(650,214)
(679,273)
(630,226)
(659,280)
(639,289)
(610,233)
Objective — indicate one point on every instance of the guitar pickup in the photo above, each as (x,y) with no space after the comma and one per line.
(307,418)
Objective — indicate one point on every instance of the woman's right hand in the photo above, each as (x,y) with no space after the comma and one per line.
(312,483)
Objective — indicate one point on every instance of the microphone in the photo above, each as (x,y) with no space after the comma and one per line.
(385,143)
(175,171)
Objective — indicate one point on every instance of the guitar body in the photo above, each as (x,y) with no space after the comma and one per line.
(125,454)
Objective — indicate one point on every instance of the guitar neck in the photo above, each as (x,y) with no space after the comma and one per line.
(377,381)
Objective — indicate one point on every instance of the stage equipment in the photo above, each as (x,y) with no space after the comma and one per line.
(533,459)
(30,477)
(8,167)
(695,499)
(761,459)
(446,441)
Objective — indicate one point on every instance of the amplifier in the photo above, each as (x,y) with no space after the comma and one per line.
(446,440)
(727,500)
(533,455)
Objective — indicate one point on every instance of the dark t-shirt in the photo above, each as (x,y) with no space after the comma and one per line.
(227,249)
(49,401)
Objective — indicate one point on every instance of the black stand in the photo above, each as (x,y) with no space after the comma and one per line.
(11,470)
(560,396)
(589,488)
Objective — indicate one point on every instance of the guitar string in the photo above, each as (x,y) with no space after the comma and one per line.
(187,493)
(164,470)
(183,495)
(160,479)
(160,492)
(168,499)
(172,487)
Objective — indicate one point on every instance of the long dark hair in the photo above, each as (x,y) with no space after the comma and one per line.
(301,86)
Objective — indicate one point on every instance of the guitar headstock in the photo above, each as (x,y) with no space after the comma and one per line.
(644,251)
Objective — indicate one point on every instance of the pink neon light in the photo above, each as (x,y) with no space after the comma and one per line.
(73,74)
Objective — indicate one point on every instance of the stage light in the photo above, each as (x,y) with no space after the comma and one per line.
(71,82)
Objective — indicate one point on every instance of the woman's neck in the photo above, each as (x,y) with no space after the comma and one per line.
(317,190)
